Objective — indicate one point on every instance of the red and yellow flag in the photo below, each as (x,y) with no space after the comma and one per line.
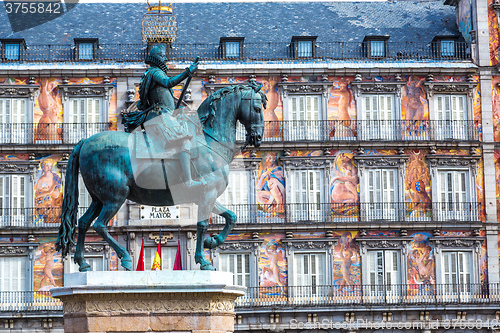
(157,259)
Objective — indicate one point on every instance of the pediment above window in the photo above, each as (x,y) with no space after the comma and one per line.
(457,243)
(360,87)
(367,244)
(308,244)
(380,161)
(245,163)
(10,250)
(452,161)
(85,90)
(450,87)
(19,91)
(305,88)
(303,163)
(19,167)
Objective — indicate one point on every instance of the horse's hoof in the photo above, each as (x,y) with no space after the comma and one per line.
(127,264)
(85,267)
(207,267)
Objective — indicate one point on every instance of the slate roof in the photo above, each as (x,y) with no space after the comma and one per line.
(417,21)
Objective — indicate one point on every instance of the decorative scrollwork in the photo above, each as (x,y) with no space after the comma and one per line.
(12,250)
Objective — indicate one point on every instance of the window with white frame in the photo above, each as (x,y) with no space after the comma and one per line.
(381,193)
(85,118)
(451,117)
(453,189)
(309,274)
(13,120)
(236,195)
(384,267)
(457,272)
(304,115)
(13,200)
(306,194)
(13,280)
(378,117)
(239,265)
(167,257)
(96,263)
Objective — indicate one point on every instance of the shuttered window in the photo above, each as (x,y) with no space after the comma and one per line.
(13,273)
(306,192)
(85,118)
(457,271)
(379,117)
(13,117)
(451,116)
(96,264)
(381,186)
(167,257)
(13,199)
(239,265)
(237,189)
(304,116)
(309,272)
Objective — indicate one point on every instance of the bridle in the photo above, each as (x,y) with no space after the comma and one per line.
(254,125)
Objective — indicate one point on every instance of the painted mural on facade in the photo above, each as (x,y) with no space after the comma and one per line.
(495,100)
(464,19)
(418,186)
(493,32)
(346,263)
(48,192)
(497,181)
(341,108)
(48,269)
(270,187)
(415,108)
(273,271)
(421,265)
(344,185)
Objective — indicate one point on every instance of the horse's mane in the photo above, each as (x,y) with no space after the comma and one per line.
(208,108)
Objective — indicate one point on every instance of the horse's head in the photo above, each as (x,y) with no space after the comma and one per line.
(251,115)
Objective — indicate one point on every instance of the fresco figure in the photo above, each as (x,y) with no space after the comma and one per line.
(414,107)
(271,130)
(344,127)
(48,103)
(418,183)
(47,258)
(271,185)
(421,264)
(48,193)
(344,186)
(346,252)
(271,274)
(346,263)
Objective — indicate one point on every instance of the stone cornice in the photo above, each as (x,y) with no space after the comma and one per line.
(306,162)
(19,90)
(452,160)
(450,87)
(304,88)
(85,90)
(368,87)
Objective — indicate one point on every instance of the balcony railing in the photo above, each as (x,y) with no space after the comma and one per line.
(28,301)
(381,294)
(368,130)
(39,217)
(356,212)
(57,133)
(270,51)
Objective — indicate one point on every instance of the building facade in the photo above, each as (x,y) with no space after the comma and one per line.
(371,205)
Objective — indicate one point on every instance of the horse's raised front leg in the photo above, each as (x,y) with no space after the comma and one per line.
(83,226)
(213,242)
(101,227)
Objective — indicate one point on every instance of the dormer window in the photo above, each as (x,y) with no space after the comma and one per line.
(376,46)
(86,48)
(444,46)
(231,47)
(12,49)
(303,46)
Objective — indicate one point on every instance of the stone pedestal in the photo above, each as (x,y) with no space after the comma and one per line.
(158,301)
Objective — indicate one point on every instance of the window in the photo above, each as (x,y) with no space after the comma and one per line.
(232,47)
(239,265)
(451,116)
(86,47)
(309,275)
(303,46)
(453,188)
(447,48)
(167,257)
(457,273)
(84,117)
(379,115)
(12,49)
(383,274)
(306,195)
(13,124)
(236,196)
(304,115)
(96,264)
(381,188)
(375,46)
(13,280)
(13,200)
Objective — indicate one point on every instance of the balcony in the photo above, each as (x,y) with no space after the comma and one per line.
(28,301)
(264,51)
(393,294)
(39,217)
(356,212)
(369,130)
(47,134)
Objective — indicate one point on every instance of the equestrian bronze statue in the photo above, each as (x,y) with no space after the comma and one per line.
(163,159)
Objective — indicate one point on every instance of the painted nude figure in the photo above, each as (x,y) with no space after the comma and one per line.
(47,101)
(271,274)
(271,185)
(47,257)
(344,184)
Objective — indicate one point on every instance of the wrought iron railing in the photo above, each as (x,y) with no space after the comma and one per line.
(355,212)
(367,130)
(57,133)
(28,301)
(263,51)
(380,294)
(39,217)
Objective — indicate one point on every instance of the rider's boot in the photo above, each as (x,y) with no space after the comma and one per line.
(185,159)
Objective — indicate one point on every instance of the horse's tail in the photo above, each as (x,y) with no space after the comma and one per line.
(67,228)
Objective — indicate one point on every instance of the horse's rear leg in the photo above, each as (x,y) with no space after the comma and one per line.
(83,225)
(213,242)
(100,226)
